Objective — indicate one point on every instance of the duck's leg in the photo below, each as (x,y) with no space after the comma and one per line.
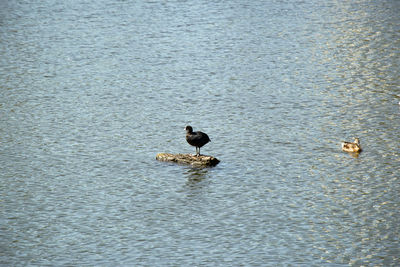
(199,152)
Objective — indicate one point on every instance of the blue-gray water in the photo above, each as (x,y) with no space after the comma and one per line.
(91,91)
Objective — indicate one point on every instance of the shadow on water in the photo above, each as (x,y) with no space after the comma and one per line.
(351,154)
(195,183)
(354,154)
(195,175)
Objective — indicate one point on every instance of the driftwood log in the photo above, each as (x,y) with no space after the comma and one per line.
(196,161)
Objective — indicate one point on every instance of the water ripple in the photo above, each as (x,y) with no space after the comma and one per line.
(90,92)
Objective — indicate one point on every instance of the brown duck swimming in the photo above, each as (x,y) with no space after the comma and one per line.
(352,147)
(197,139)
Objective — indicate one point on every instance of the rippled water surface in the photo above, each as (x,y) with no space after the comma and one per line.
(90,91)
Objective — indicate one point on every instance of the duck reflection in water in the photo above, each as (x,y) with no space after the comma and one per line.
(196,175)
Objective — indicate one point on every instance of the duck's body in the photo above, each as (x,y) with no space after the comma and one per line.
(197,139)
(352,147)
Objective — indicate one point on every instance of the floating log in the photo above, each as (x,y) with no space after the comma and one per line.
(196,161)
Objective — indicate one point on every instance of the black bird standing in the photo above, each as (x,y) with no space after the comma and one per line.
(197,139)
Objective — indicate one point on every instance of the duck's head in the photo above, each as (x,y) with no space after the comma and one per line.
(189,129)
(357,141)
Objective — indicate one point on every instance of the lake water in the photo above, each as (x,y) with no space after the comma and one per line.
(91,91)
